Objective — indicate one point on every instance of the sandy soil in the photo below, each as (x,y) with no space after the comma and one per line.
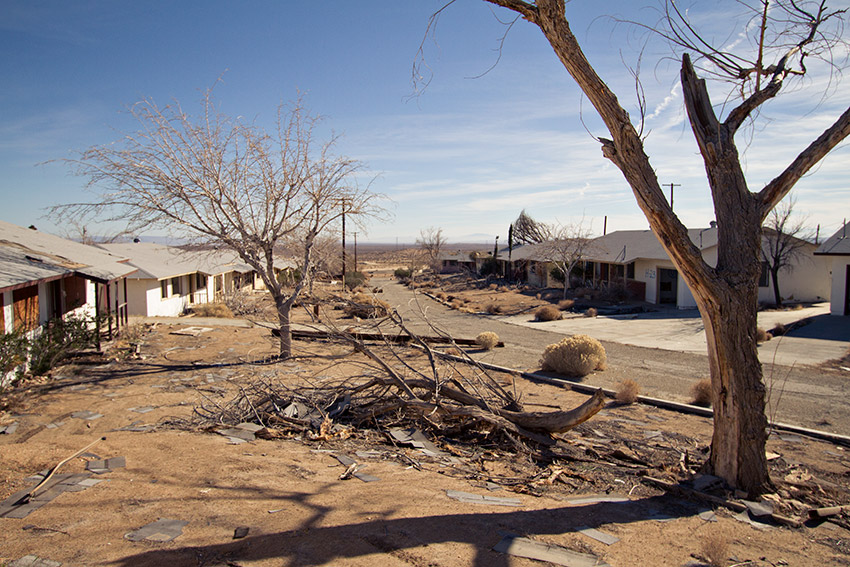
(287,492)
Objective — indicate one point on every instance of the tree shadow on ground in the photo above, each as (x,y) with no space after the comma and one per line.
(405,538)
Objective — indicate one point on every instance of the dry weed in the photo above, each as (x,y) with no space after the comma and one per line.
(714,547)
(493,286)
(487,340)
(627,391)
(701,393)
(547,313)
(578,355)
(566,304)
(591,312)
(366,307)
(213,310)
(762,335)
(494,309)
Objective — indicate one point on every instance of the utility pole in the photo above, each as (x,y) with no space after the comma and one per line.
(343,202)
(671,190)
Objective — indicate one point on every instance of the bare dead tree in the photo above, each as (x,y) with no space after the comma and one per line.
(432,241)
(785,241)
(216,180)
(529,231)
(569,244)
(788,32)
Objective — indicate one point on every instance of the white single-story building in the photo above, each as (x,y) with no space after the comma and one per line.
(168,281)
(836,251)
(44,277)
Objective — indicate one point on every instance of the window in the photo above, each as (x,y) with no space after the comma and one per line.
(175,286)
(630,271)
(764,278)
(163,287)
(200,281)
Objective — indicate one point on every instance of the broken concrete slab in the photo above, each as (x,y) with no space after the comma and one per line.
(162,530)
(524,547)
(143,409)
(597,498)
(34,561)
(599,536)
(9,429)
(21,504)
(192,331)
(87,415)
(100,466)
(758,509)
(469,498)
(241,433)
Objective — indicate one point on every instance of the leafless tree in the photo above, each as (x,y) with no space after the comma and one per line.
(785,240)
(217,180)
(432,241)
(526,230)
(785,35)
(568,245)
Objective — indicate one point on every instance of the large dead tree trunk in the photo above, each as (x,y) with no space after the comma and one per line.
(727,293)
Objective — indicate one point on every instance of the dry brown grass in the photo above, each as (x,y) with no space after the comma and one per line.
(762,335)
(493,286)
(487,340)
(714,547)
(701,393)
(213,310)
(627,392)
(494,309)
(566,304)
(547,313)
(591,312)
(578,355)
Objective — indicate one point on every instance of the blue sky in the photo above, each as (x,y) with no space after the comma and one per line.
(466,155)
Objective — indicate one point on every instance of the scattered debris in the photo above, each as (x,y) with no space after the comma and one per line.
(87,415)
(143,409)
(353,470)
(469,498)
(100,466)
(241,433)
(34,561)
(241,532)
(9,429)
(191,331)
(599,536)
(162,530)
(523,547)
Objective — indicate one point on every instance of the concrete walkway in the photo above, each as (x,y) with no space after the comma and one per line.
(825,337)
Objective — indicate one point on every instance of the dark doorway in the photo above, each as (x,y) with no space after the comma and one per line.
(667,285)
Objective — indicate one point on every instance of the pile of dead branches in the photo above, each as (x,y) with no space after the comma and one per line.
(385,387)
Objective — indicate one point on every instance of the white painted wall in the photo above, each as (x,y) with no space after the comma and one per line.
(839,281)
(809,280)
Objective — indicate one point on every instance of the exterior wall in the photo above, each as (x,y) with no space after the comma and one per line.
(808,281)
(8,315)
(838,292)
(145,296)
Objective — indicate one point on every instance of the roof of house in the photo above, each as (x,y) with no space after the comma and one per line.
(836,245)
(619,247)
(27,256)
(626,246)
(157,261)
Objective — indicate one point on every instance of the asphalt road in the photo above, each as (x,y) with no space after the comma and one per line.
(800,394)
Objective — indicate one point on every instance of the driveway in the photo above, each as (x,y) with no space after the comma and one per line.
(825,337)
(666,355)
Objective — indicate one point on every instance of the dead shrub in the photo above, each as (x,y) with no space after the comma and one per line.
(547,313)
(701,393)
(493,286)
(440,295)
(566,304)
(502,289)
(220,310)
(454,351)
(762,335)
(627,392)
(714,548)
(591,312)
(494,309)
(578,355)
(778,330)
(366,307)
(456,304)
(487,340)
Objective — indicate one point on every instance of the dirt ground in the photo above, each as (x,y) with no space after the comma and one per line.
(288,494)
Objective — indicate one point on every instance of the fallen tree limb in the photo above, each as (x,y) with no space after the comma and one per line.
(305,334)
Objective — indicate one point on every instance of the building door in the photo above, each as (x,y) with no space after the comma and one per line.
(668,281)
